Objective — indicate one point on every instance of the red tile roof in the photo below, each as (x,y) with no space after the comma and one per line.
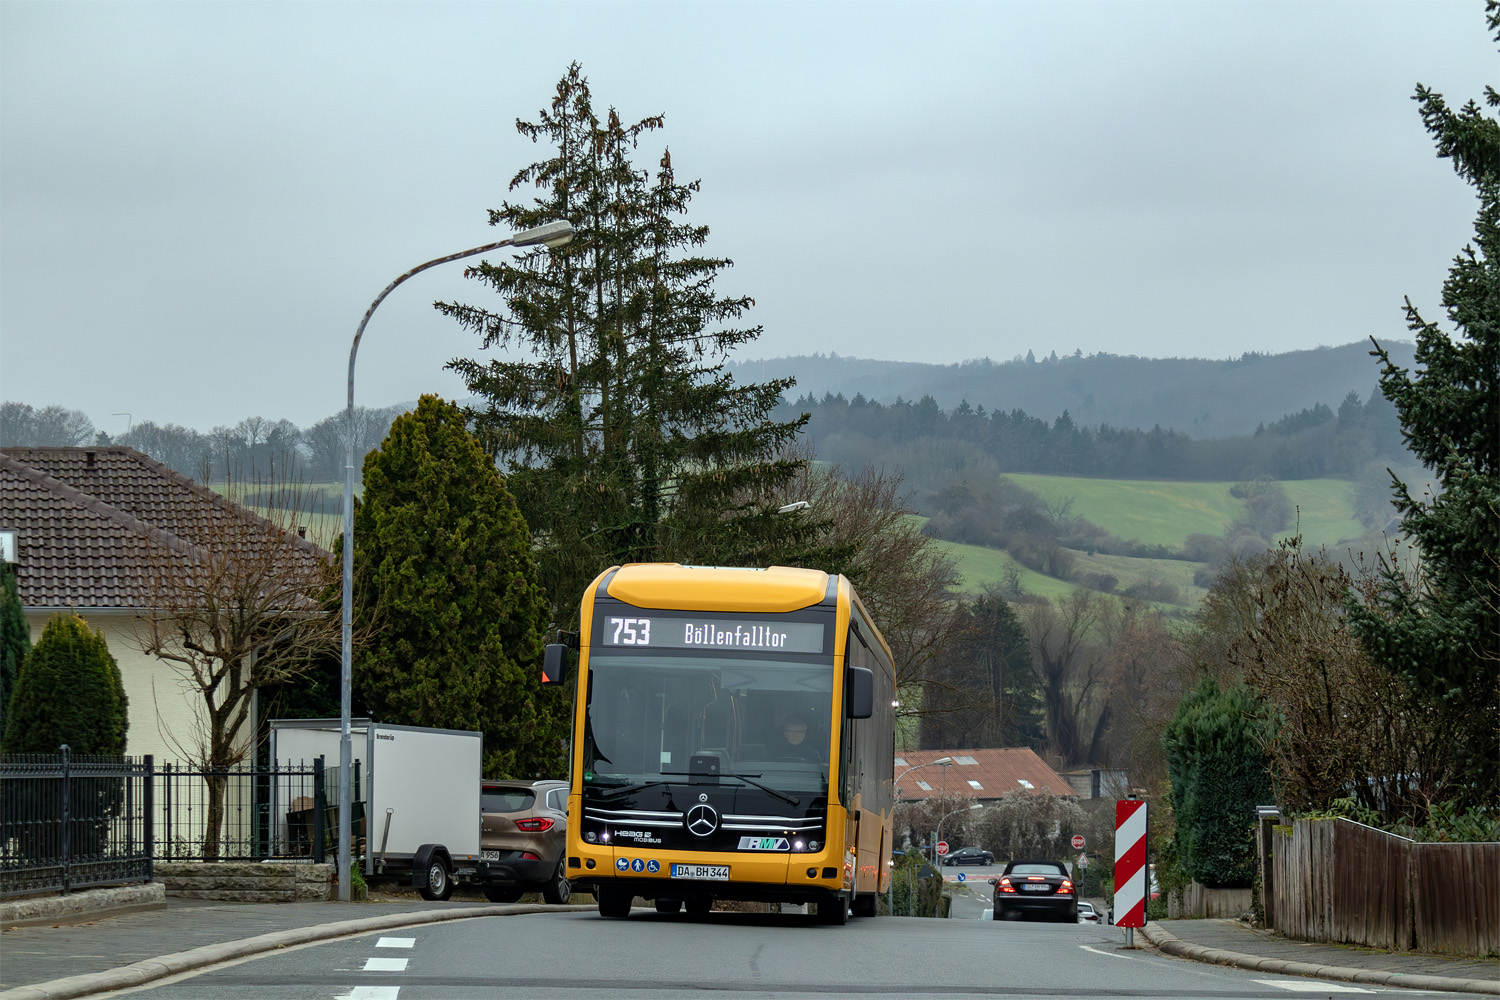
(89,520)
(993,771)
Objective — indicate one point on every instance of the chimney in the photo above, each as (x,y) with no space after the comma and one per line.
(301,531)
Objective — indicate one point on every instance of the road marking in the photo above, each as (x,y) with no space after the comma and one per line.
(390,942)
(385,965)
(1312,986)
(1111,954)
(371,993)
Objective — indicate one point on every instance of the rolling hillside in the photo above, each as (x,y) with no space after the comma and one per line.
(1155,513)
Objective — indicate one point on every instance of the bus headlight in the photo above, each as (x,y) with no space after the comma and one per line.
(812,845)
(797,845)
(590,836)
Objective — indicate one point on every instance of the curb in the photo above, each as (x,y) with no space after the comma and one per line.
(151,969)
(83,906)
(1169,943)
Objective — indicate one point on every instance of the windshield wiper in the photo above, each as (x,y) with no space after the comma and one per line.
(617,791)
(783,796)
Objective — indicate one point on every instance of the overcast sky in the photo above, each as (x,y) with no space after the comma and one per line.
(198,201)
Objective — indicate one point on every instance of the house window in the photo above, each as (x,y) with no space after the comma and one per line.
(924,785)
(1024,783)
(965,760)
(975,784)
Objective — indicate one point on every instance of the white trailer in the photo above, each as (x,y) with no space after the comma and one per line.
(421,796)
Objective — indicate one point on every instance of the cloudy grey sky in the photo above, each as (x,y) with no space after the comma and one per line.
(199,200)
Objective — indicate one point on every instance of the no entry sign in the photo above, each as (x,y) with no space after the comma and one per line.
(1130,863)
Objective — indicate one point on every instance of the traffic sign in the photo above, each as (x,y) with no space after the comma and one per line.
(942,847)
(962,876)
(1130,863)
(1083,861)
(1077,841)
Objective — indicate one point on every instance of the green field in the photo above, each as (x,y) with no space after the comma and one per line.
(1155,513)
(1165,513)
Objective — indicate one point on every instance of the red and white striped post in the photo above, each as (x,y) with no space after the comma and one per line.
(1130,867)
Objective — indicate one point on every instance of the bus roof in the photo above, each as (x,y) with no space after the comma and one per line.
(717,588)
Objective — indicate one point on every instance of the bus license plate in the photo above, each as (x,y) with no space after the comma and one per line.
(715,873)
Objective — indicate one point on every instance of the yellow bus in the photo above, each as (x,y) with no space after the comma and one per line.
(733,739)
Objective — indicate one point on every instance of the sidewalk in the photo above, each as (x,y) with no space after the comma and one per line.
(83,956)
(1229,942)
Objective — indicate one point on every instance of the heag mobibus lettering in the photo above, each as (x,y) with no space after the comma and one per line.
(749,636)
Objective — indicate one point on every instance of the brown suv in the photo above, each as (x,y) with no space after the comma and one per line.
(523,839)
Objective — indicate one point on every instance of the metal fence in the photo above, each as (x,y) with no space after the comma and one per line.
(71,822)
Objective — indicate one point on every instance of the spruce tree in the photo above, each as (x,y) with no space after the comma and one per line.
(1442,635)
(446,588)
(15,638)
(625,439)
(69,691)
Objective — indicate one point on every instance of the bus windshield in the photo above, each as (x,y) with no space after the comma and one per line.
(655,718)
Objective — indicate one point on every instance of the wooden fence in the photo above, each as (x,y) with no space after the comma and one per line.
(1340,881)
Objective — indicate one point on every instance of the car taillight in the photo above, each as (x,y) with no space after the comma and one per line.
(1004,885)
(1066,889)
(539,825)
(528,856)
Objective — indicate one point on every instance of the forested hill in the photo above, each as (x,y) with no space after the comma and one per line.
(1196,397)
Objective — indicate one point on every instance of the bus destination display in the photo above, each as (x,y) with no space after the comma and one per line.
(660,632)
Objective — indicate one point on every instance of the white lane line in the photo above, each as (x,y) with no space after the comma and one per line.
(1312,986)
(371,993)
(385,965)
(1111,954)
(390,942)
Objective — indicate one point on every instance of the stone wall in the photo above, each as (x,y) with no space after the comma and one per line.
(248,882)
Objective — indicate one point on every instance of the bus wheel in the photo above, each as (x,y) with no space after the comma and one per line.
(698,907)
(668,905)
(613,902)
(834,911)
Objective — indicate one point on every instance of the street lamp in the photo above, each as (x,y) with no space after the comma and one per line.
(890,886)
(553,234)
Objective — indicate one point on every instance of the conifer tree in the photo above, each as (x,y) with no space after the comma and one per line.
(15,638)
(69,691)
(445,585)
(1441,633)
(625,439)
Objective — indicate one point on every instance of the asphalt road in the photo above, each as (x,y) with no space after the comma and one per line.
(578,954)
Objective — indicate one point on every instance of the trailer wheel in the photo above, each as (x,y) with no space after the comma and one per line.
(558,891)
(439,882)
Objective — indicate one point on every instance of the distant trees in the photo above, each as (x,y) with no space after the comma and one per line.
(446,588)
(51,426)
(1312,443)
(986,694)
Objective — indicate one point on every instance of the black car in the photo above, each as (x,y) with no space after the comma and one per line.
(968,856)
(1042,888)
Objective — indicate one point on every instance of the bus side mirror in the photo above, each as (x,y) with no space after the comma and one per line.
(554,663)
(859,692)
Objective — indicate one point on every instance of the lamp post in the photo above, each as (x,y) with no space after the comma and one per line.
(553,234)
(890,886)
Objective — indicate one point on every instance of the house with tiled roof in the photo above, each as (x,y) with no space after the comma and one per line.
(982,775)
(87,527)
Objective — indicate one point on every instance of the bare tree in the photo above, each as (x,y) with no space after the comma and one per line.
(1071,667)
(905,579)
(232,605)
(1025,824)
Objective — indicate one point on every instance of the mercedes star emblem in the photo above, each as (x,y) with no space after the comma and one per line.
(702,820)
